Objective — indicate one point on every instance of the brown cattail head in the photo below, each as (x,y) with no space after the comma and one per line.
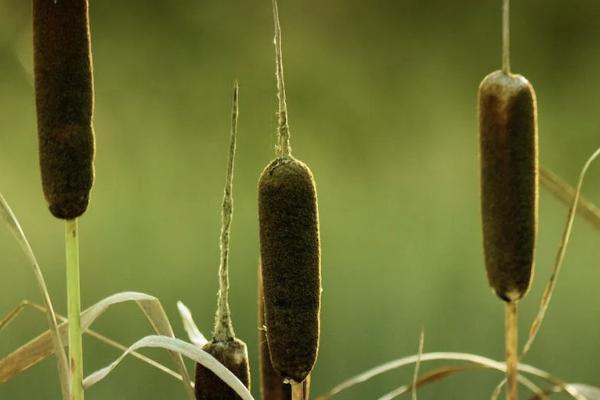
(64,102)
(509,181)
(272,386)
(233,355)
(291,266)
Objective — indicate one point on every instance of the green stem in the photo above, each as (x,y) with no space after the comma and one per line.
(74,309)
(512,358)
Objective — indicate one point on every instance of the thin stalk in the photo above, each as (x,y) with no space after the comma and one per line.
(74,309)
(512,358)
(506,36)
(283,149)
(223,325)
(417,365)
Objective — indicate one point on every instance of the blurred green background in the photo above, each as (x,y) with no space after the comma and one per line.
(382,101)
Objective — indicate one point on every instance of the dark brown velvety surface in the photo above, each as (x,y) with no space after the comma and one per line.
(509,181)
(233,355)
(290,254)
(64,102)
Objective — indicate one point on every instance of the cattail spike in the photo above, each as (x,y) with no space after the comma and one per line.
(64,102)
(509,181)
(291,265)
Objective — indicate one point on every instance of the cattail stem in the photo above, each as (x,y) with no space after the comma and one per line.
(74,309)
(283,148)
(299,390)
(223,325)
(512,359)
(506,36)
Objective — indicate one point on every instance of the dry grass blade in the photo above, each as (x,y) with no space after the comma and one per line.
(190,326)
(106,340)
(565,193)
(449,356)
(61,358)
(551,285)
(41,347)
(182,348)
(430,377)
(446,372)
(12,314)
(590,392)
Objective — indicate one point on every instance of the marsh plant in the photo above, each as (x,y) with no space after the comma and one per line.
(289,268)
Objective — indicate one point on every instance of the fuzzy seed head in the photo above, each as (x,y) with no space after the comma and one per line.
(509,181)
(64,104)
(233,354)
(291,265)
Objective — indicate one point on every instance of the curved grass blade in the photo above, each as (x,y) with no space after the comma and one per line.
(562,248)
(106,340)
(446,372)
(449,356)
(180,347)
(41,347)
(430,377)
(55,338)
(190,326)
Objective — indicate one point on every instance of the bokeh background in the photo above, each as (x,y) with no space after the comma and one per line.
(382,102)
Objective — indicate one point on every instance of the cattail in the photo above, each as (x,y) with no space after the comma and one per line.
(225,347)
(65,103)
(509,176)
(289,244)
(233,354)
(508,140)
(272,386)
(290,250)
